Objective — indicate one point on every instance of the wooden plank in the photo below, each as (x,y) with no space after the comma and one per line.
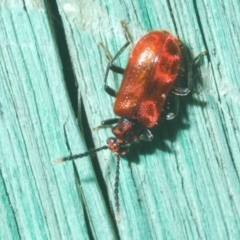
(40,200)
(183,185)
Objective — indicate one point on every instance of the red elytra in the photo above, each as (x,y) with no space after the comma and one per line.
(152,69)
(151,73)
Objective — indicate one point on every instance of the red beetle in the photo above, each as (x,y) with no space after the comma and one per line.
(153,68)
(151,71)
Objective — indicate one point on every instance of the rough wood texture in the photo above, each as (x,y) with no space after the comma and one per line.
(183,185)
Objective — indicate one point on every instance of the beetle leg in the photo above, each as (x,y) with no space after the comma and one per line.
(109,121)
(110,91)
(111,60)
(179,91)
(125,31)
(106,123)
(113,67)
(146,135)
(171,107)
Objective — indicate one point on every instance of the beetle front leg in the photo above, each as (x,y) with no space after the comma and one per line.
(109,121)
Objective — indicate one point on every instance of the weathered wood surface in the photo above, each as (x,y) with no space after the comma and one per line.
(183,185)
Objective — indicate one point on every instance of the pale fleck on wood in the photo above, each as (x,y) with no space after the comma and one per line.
(183,185)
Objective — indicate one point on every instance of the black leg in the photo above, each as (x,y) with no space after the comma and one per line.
(111,66)
(171,107)
(146,135)
(109,121)
(179,91)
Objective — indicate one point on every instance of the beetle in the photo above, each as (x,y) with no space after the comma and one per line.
(154,66)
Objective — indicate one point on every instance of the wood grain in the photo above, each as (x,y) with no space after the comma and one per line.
(183,185)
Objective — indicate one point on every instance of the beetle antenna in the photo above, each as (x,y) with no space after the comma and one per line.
(116,185)
(72,157)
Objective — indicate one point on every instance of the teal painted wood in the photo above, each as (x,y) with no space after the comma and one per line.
(184,185)
(40,200)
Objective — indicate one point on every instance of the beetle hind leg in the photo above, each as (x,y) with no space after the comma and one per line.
(184,91)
